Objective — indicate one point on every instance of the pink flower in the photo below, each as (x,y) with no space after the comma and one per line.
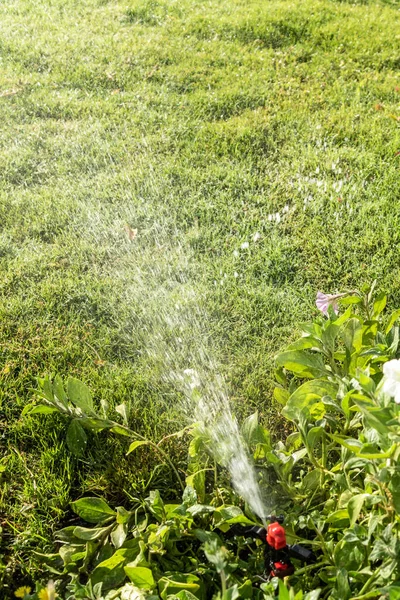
(323,301)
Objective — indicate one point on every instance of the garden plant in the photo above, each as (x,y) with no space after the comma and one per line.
(336,478)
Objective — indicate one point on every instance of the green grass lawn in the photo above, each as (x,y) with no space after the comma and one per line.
(254,145)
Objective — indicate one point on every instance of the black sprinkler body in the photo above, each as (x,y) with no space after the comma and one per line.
(277,552)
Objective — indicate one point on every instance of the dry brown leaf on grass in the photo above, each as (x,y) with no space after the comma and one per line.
(9,92)
(131,233)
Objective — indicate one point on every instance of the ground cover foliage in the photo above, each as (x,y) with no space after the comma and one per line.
(336,477)
(199,125)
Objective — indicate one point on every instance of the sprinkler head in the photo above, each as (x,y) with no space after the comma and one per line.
(275,518)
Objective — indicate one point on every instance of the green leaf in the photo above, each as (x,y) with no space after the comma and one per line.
(231,593)
(338,518)
(123,411)
(200,509)
(123,515)
(110,572)
(39,409)
(352,335)
(314,595)
(379,304)
(302,363)
(59,392)
(350,300)
(156,505)
(47,389)
(350,443)
(136,444)
(118,536)
(92,510)
(283,591)
(302,400)
(89,534)
(393,318)
(304,343)
(76,438)
(254,433)
(342,584)
(281,395)
(329,336)
(189,496)
(96,424)
(313,435)
(173,583)
(80,395)
(184,595)
(354,507)
(142,577)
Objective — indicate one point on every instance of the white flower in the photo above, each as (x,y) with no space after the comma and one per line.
(235,253)
(245,245)
(131,592)
(236,274)
(278,218)
(391,379)
(256,236)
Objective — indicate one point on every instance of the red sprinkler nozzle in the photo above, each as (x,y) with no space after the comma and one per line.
(276,536)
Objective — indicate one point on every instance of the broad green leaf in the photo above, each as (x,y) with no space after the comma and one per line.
(136,444)
(253,432)
(393,318)
(308,394)
(95,424)
(302,363)
(92,510)
(342,584)
(47,389)
(232,593)
(354,507)
(350,300)
(120,430)
(110,572)
(200,509)
(314,595)
(80,395)
(184,595)
(329,336)
(123,411)
(246,589)
(189,496)
(379,304)
(59,392)
(304,343)
(173,583)
(313,435)
(283,591)
(375,417)
(281,395)
(123,515)
(142,577)
(311,481)
(156,505)
(76,438)
(198,481)
(338,518)
(89,534)
(352,335)
(350,443)
(39,409)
